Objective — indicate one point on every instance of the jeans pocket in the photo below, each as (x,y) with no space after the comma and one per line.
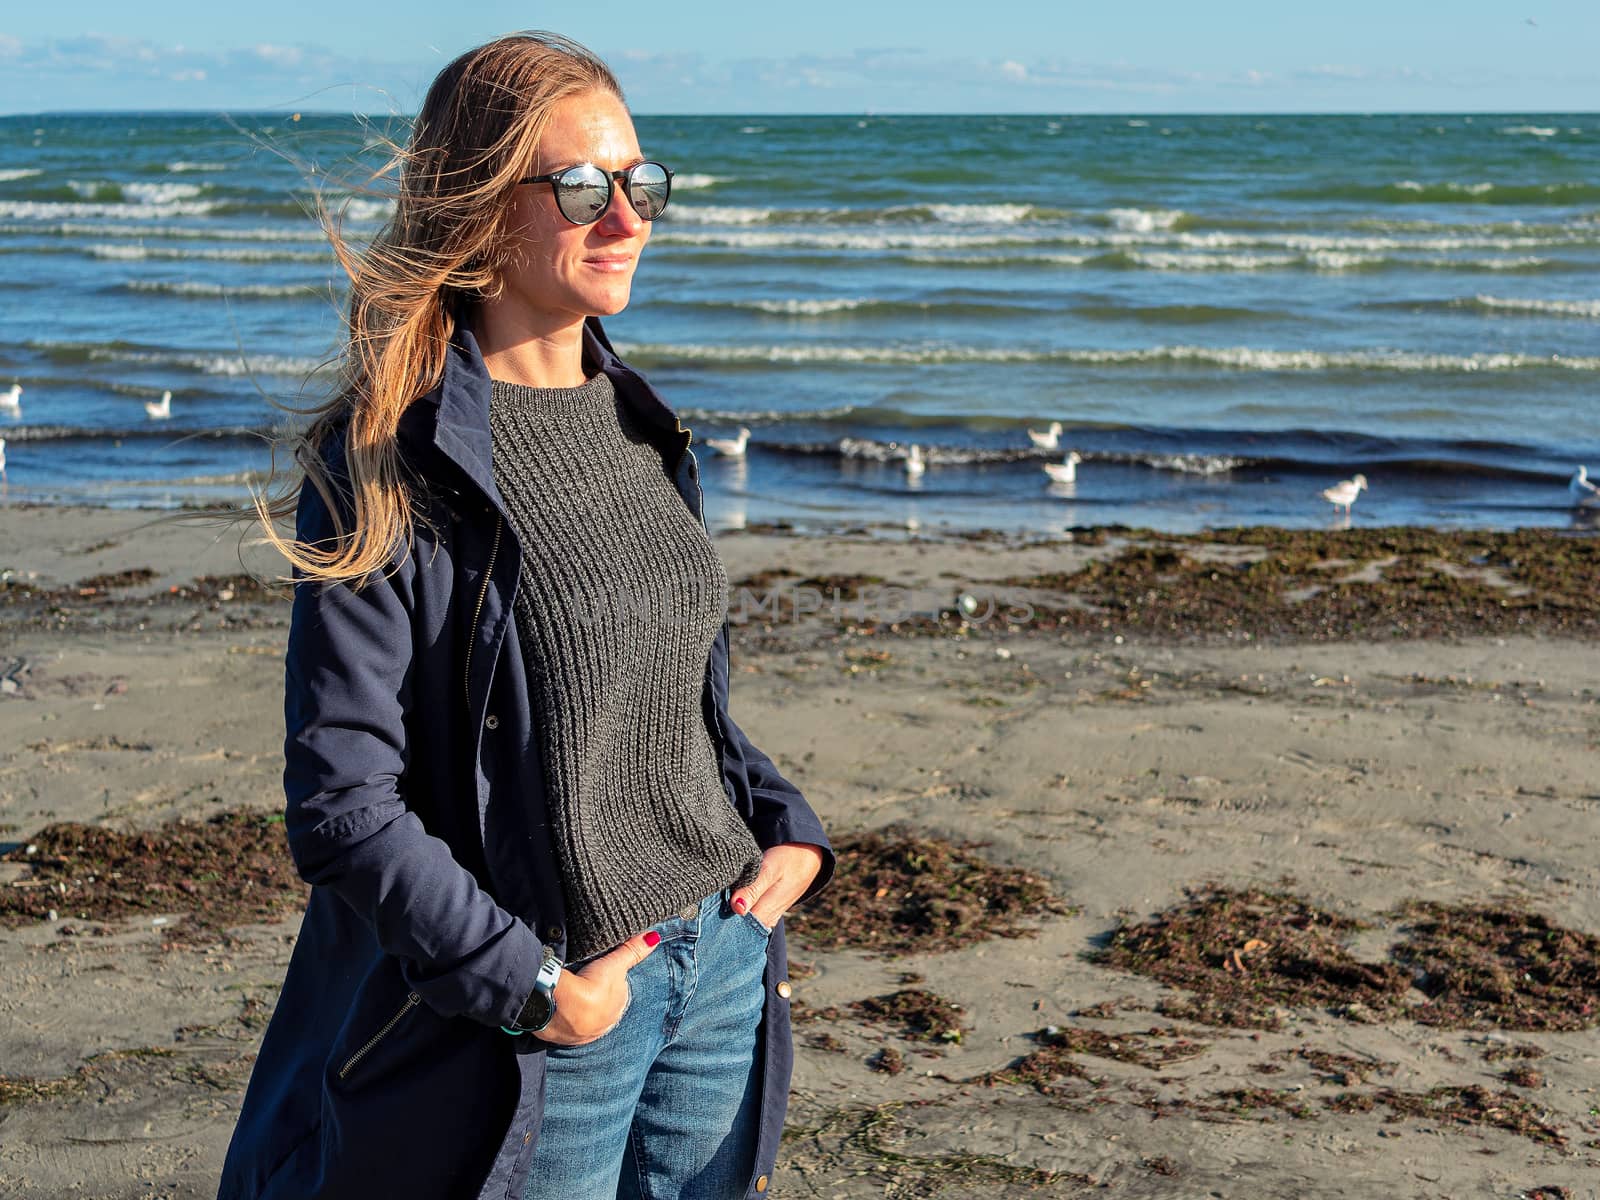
(754,920)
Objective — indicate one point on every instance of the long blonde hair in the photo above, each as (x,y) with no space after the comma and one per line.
(443,250)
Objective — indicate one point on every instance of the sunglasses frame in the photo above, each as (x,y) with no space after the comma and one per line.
(624,176)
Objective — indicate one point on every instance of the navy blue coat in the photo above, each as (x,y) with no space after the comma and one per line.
(416,809)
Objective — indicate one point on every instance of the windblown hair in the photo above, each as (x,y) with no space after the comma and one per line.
(444,249)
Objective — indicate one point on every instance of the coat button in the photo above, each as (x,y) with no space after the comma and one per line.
(491,722)
(761,1184)
(784,989)
(553,933)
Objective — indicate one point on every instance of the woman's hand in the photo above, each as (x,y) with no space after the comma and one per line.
(591,1000)
(786,873)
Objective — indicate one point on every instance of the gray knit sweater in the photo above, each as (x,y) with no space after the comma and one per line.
(620,598)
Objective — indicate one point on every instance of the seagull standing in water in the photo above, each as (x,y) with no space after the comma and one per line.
(11,400)
(1065,471)
(1584,492)
(915,464)
(1343,494)
(1049,439)
(161,411)
(732,447)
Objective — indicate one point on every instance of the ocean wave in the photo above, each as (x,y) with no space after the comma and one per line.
(692,182)
(224,233)
(200,361)
(11,173)
(166,431)
(1539,131)
(902,214)
(1194,464)
(1560,308)
(716,214)
(47,210)
(178,168)
(1229,357)
(798,239)
(197,252)
(253,291)
(1141,220)
(1411,191)
(810,308)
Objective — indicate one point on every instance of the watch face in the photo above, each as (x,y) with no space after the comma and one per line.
(536,1011)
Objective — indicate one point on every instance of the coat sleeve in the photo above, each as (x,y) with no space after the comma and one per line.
(779,811)
(348,708)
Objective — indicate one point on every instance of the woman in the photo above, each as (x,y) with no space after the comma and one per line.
(543,953)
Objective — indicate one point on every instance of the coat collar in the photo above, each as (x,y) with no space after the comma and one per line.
(453,418)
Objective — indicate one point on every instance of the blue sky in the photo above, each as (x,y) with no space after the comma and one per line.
(827,55)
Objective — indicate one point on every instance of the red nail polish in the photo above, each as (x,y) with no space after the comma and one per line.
(739,904)
(652,939)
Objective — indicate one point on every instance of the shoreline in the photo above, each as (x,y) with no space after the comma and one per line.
(1124,767)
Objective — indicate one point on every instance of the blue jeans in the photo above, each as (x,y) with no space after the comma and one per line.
(666,1105)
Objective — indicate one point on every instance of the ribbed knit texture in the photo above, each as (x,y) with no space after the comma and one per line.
(621,596)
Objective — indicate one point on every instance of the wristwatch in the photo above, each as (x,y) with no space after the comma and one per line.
(540,1005)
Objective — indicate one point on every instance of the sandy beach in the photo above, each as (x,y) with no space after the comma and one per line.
(1257,864)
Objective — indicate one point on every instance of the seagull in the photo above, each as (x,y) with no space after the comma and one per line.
(1065,471)
(732,447)
(3,460)
(915,464)
(1049,438)
(11,400)
(161,411)
(1343,494)
(1584,492)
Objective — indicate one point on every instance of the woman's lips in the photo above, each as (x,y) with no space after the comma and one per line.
(608,262)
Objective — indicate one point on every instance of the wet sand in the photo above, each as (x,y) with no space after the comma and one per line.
(1354,726)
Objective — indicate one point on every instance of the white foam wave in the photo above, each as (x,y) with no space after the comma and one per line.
(179,167)
(1525,262)
(988,260)
(1168,261)
(690,181)
(6,176)
(46,210)
(1194,464)
(977,214)
(716,214)
(1142,220)
(186,288)
(213,364)
(173,232)
(1540,131)
(1564,308)
(1469,189)
(1233,357)
(805,308)
(840,240)
(160,193)
(229,255)
(358,209)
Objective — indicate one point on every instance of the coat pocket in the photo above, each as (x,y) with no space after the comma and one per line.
(350,1064)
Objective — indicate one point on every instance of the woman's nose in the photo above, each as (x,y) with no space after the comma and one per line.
(620,219)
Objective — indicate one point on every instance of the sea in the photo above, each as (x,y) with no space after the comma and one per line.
(1226,314)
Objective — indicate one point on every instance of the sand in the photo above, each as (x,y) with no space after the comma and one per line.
(1116,766)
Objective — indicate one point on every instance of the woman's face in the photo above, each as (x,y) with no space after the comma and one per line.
(564,272)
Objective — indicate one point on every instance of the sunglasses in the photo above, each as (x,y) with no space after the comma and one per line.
(583,192)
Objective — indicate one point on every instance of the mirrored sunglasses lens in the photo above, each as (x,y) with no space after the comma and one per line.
(648,189)
(583,193)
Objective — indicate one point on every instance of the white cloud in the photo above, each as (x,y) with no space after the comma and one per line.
(1012,69)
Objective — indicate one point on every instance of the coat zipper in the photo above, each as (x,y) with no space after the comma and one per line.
(472,637)
(412,1000)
